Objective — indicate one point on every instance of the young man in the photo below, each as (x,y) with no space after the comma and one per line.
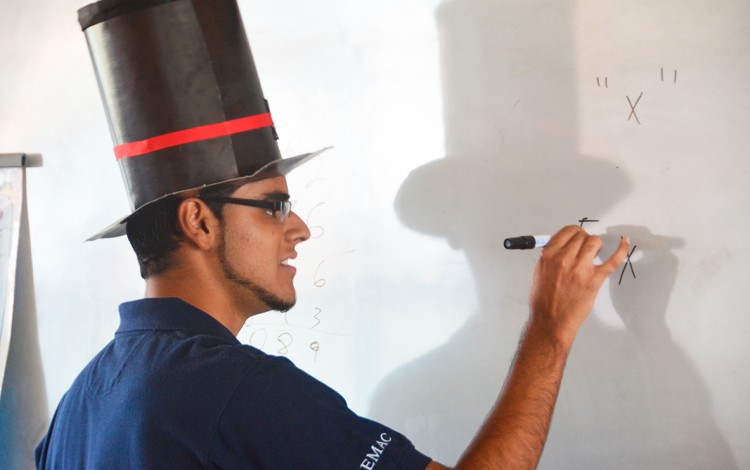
(175,389)
(213,232)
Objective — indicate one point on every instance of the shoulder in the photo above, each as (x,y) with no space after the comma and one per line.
(285,418)
(268,374)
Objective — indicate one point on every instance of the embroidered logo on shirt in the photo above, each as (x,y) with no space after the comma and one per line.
(371,459)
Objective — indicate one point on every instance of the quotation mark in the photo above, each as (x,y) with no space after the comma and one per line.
(674,80)
(666,76)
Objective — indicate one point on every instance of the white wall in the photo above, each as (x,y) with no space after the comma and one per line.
(456,123)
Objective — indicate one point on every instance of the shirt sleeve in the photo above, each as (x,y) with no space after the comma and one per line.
(280,417)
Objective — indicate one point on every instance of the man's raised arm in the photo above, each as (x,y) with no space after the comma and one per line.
(566,282)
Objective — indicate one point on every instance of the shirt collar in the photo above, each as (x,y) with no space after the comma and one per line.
(170,314)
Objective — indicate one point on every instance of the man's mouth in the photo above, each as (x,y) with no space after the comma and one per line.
(284,264)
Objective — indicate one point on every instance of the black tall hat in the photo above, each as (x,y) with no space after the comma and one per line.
(182,97)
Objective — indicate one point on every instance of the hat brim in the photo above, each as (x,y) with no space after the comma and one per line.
(279,167)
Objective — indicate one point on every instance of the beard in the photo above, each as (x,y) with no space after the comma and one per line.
(272,301)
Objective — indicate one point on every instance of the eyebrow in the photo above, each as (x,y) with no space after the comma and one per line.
(276,196)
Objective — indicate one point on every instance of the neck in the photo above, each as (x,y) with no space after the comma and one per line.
(204,293)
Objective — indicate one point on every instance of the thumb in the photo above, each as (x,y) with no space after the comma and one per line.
(616,260)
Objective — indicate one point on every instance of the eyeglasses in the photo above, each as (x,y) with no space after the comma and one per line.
(278,209)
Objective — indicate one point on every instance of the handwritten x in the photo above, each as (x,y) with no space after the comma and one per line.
(632,108)
(628,262)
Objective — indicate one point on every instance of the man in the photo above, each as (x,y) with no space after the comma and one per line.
(149,392)
(175,389)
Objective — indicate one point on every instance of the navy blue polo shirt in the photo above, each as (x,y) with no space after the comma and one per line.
(176,390)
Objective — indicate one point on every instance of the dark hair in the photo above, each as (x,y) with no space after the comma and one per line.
(154,233)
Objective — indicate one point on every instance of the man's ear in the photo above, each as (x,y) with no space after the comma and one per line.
(198,223)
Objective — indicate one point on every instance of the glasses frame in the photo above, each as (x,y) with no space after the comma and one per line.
(283,208)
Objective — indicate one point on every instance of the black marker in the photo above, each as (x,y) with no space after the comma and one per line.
(526,242)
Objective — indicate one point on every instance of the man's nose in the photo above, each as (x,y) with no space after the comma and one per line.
(298,230)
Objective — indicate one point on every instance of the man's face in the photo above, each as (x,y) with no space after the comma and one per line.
(256,248)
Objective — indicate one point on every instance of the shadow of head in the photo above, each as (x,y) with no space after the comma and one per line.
(513,164)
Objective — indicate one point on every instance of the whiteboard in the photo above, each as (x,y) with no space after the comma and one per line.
(456,123)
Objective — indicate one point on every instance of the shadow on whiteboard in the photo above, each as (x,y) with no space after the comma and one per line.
(630,398)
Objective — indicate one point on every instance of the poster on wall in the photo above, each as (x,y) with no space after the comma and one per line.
(11,202)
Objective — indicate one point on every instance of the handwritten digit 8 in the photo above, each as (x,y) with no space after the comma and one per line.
(287,341)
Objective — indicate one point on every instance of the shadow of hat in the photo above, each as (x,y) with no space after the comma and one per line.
(513,164)
(481,198)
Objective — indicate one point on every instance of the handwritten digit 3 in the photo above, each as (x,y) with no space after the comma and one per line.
(316,316)
(286,340)
(319,282)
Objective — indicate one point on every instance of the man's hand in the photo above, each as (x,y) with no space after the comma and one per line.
(566,282)
(565,285)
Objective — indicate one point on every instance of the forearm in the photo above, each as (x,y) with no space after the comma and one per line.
(565,285)
(516,429)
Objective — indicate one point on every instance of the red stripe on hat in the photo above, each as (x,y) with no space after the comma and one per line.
(195,134)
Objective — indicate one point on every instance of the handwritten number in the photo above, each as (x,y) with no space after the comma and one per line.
(316,231)
(286,340)
(319,282)
(317,317)
(315,347)
(262,341)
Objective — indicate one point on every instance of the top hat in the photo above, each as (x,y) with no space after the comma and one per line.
(182,97)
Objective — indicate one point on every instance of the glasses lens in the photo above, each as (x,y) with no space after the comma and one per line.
(286,208)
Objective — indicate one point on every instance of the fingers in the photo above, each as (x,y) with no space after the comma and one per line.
(616,260)
(590,248)
(565,237)
(566,281)
(572,241)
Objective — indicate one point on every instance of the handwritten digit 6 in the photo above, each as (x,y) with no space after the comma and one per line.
(319,282)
